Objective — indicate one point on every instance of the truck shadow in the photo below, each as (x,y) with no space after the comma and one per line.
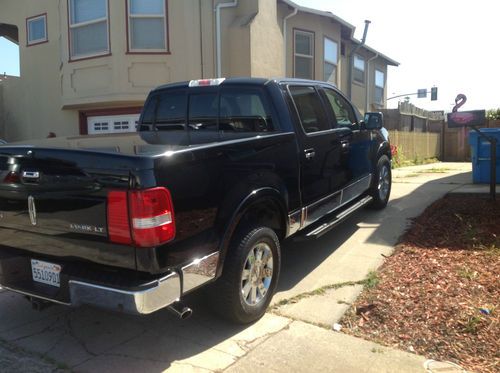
(409,198)
(90,340)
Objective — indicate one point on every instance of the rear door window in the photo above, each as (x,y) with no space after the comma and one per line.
(244,110)
(310,109)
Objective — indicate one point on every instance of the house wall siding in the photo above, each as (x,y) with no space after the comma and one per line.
(53,91)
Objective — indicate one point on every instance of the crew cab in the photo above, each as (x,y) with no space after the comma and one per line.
(218,173)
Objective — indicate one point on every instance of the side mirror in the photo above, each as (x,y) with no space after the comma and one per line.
(374,121)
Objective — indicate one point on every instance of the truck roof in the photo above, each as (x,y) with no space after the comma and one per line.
(239,81)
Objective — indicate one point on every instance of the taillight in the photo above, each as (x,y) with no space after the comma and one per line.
(12,177)
(152,216)
(118,220)
(149,217)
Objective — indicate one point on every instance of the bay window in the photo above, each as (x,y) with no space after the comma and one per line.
(88,28)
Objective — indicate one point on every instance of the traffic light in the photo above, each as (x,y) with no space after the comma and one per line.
(434,93)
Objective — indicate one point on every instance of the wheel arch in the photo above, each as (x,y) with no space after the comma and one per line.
(263,206)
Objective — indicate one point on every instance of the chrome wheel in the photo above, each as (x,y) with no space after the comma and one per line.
(257,274)
(384,182)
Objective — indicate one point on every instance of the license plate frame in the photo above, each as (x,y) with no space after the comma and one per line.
(46,273)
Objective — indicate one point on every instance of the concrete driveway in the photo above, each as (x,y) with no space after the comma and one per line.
(318,282)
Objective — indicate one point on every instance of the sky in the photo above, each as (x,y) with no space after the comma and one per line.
(453,45)
(448,44)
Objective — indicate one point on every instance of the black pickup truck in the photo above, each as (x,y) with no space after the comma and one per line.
(217,174)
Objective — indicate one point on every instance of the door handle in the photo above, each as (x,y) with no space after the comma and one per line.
(309,153)
(345,144)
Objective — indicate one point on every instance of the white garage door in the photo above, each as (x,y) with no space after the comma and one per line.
(112,124)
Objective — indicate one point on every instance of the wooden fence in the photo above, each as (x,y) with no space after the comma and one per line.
(416,145)
(421,134)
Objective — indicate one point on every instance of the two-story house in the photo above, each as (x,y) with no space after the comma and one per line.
(87,65)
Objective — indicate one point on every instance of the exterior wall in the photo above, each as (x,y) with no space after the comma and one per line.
(32,104)
(321,27)
(124,78)
(267,46)
(54,93)
(236,38)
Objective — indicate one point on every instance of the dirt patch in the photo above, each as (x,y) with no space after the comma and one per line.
(438,294)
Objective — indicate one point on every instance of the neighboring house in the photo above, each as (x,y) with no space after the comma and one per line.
(87,65)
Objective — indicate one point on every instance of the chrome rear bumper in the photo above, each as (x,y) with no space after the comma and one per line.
(164,292)
(144,299)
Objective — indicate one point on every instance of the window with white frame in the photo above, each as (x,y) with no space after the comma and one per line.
(147,25)
(36,29)
(330,62)
(112,124)
(88,28)
(359,69)
(379,87)
(304,54)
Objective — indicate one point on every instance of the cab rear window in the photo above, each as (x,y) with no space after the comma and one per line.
(226,110)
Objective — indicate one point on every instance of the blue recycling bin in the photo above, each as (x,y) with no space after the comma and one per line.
(480,154)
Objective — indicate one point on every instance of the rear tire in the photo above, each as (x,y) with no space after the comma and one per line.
(250,275)
(381,186)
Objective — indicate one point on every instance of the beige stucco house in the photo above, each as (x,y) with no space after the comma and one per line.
(87,65)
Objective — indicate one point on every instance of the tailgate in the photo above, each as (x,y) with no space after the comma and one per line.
(53,202)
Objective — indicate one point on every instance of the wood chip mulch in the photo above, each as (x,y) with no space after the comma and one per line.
(438,295)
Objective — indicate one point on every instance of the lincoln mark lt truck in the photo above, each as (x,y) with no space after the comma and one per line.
(218,173)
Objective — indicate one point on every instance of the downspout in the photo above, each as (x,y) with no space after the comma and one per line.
(351,59)
(368,80)
(218,32)
(285,38)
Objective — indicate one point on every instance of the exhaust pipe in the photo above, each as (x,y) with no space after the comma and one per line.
(180,310)
(39,304)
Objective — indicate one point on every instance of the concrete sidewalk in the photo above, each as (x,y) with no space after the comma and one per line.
(295,335)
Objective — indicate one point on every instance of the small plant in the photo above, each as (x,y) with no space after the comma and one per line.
(372,280)
(472,325)
(468,274)
(493,114)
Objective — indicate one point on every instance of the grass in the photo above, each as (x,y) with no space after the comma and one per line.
(369,282)
(472,325)
(468,274)
(435,170)
(400,160)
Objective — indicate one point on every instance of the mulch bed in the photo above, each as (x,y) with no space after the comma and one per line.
(438,295)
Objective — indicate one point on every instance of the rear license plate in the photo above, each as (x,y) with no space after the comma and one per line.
(45,272)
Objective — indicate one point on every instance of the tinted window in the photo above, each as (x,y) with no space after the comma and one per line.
(166,110)
(148,112)
(341,109)
(203,110)
(244,110)
(310,109)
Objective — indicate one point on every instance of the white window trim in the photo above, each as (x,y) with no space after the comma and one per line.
(36,41)
(375,78)
(165,29)
(326,60)
(378,86)
(363,71)
(73,26)
(324,54)
(295,54)
(110,120)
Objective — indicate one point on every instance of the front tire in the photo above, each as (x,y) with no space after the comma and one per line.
(250,275)
(381,187)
